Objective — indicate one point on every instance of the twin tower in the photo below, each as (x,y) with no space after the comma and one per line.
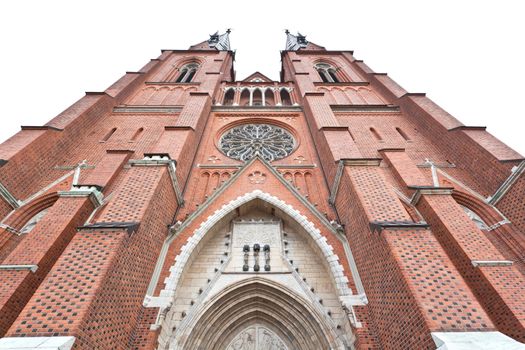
(182,208)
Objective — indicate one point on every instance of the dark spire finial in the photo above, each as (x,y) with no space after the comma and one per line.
(295,42)
(220,41)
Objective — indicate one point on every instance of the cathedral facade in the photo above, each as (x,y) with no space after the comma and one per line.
(183,208)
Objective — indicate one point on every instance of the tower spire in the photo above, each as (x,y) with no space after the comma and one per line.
(295,42)
(220,41)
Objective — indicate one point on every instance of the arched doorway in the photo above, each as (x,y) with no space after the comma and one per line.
(256,313)
(226,292)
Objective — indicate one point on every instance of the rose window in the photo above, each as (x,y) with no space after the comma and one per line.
(246,141)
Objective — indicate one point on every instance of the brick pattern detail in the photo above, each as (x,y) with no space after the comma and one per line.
(42,247)
(406,172)
(318,107)
(512,204)
(107,271)
(107,169)
(440,293)
(498,288)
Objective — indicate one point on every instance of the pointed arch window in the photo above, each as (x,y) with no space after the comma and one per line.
(187,72)
(229,97)
(257,99)
(285,97)
(31,223)
(327,73)
(482,225)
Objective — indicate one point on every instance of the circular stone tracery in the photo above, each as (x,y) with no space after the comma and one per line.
(246,141)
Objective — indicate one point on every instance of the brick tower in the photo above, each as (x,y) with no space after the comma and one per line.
(184,209)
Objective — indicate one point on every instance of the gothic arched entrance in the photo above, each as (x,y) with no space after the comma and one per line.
(256,275)
(257,314)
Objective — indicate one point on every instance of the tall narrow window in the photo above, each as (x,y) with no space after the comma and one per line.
(268,98)
(109,134)
(245,97)
(181,75)
(257,98)
(137,133)
(324,76)
(376,134)
(327,73)
(285,98)
(187,73)
(228,97)
(403,135)
(332,75)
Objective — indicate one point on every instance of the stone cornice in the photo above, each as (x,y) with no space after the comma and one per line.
(428,190)
(361,161)
(256,108)
(129,226)
(379,226)
(40,127)
(148,109)
(343,83)
(365,108)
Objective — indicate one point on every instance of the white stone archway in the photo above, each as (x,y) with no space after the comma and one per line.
(342,296)
(295,321)
(336,269)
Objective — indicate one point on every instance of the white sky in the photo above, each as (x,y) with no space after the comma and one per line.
(468,56)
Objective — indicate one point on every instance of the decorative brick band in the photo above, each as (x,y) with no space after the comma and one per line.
(365,108)
(148,109)
(342,83)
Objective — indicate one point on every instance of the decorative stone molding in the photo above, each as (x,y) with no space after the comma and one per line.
(160,159)
(428,190)
(148,109)
(400,225)
(336,268)
(491,263)
(516,172)
(130,227)
(335,186)
(8,197)
(257,177)
(361,161)
(93,192)
(348,162)
(10,229)
(37,343)
(475,341)
(31,268)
